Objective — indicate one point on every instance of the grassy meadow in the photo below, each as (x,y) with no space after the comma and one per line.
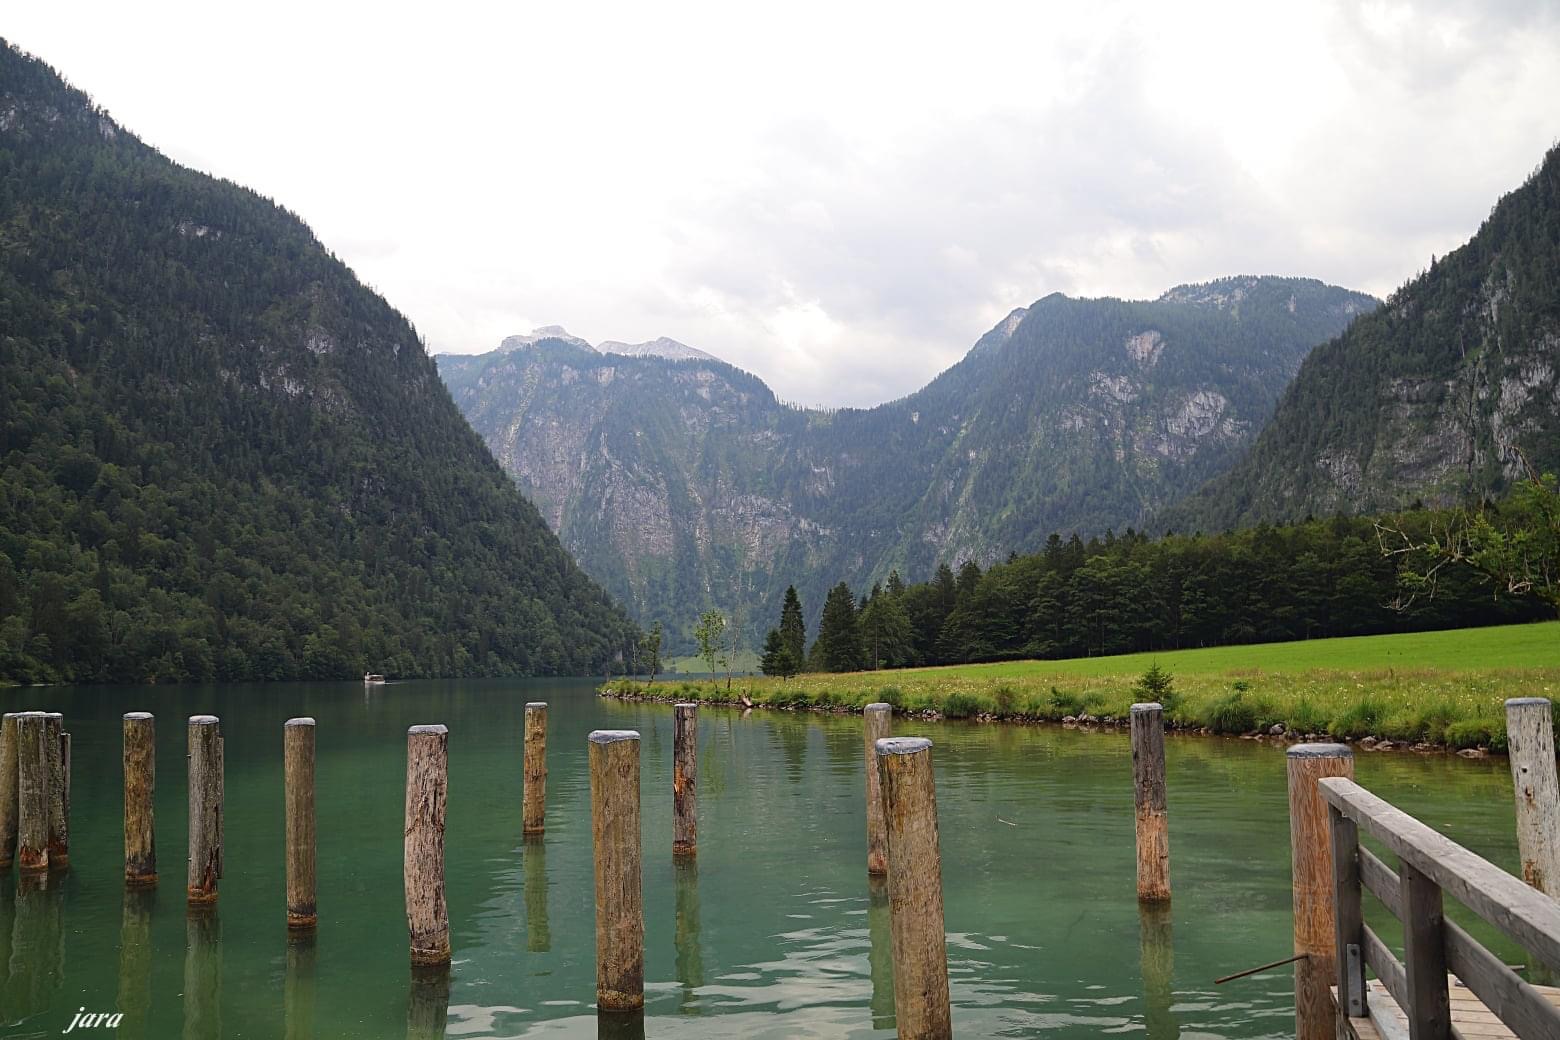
(1444,688)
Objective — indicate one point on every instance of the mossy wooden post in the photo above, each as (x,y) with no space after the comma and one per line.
(298,780)
(205,800)
(140,759)
(8,804)
(1530,738)
(875,722)
(59,812)
(1310,844)
(915,888)
(614,819)
(534,799)
(32,793)
(685,778)
(427,782)
(1153,826)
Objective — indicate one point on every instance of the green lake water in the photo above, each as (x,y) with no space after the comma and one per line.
(775,932)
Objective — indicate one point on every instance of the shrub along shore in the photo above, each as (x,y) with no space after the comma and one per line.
(1421,690)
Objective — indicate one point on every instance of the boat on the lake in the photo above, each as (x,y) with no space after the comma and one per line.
(372,679)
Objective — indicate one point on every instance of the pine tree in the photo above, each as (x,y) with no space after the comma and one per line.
(793,630)
(777,658)
(839,640)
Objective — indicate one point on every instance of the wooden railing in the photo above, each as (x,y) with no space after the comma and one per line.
(1432,864)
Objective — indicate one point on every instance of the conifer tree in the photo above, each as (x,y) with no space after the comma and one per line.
(793,630)
(839,639)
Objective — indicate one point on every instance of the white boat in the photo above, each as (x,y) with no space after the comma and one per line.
(370,679)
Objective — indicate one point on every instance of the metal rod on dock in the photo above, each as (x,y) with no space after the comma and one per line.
(298,782)
(614,818)
(915,888)
(875,723)
(685,776)
(140,764)
(534,798)
(205,809)
(1310,842)
(1530,739)
(427,785)
(1153,825)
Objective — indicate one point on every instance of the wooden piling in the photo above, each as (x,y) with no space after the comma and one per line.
(205,809)
(59,815)
(685,776)
(915,888)
(620,922)
(8,804)
(427,782)
(32,793)
(534,807)
(1530,739)
(298,781)
(876,720)
(1153,825)
(140,764)
(1310,842)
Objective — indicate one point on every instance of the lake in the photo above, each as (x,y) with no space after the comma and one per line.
(775,932)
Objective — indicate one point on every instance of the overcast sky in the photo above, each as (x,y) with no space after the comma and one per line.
(840,197)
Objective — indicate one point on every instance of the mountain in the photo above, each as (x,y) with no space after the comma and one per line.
(223,457)
(685,483)
(1431,398)
(661,348)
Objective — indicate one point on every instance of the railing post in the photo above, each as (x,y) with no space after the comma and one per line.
(1530,738)
(875,722)
(1424,956)
(1350,930)
(1153,826)
(1310,844)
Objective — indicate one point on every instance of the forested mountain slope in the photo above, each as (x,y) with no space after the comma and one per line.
(1434,397)
(221,456)
(684,483)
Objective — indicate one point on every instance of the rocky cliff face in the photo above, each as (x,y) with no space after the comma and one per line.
(682,482)
(1436,396)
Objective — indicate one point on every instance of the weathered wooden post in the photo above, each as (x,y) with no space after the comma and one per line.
(915,888)
(298,781)
(32,793)
(8,805)
(205,809)
(427,781)
(620,921)
(140,764)
(1530,738)
(685,777)
(1153,825)
(58,780)
(875,722)
(1310,843)
(534,808)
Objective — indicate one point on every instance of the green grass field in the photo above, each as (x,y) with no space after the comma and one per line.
(1444,688)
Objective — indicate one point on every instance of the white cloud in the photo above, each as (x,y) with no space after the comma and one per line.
(841,198)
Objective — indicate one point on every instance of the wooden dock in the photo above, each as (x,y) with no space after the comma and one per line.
(1470,1018)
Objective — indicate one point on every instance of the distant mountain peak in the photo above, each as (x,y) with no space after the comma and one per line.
(662,348)
(540,333)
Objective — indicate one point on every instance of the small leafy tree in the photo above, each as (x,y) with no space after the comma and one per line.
(711,636)
(650,651)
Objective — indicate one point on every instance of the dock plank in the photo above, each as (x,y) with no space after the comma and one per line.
(1470,1018)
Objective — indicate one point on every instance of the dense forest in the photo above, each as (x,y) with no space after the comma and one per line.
(1438,396)
(1129,593)
(223,457)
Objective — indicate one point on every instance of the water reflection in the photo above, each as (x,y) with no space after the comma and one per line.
(428,1003)
(538,938)
(298,986)
(1156,944)
(881,956)
(690,959)
(135,962)
(36,967)
(620,1025)
(202,974)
